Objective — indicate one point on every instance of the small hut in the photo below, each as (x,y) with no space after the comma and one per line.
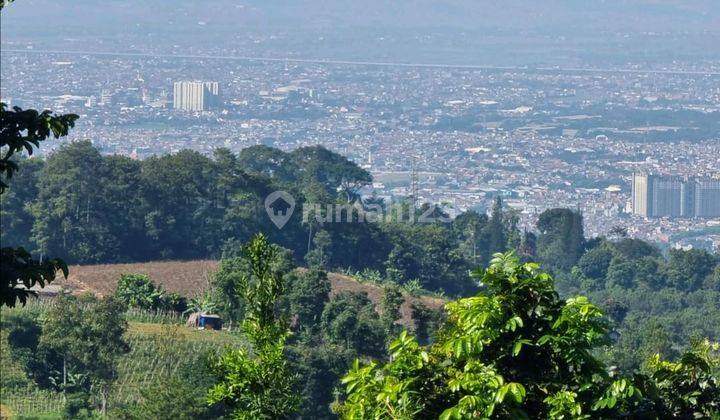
(204,321)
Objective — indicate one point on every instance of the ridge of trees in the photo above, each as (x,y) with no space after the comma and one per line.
(88,208)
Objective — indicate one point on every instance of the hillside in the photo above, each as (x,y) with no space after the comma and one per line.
(161,347)
(157,348)
(189,278)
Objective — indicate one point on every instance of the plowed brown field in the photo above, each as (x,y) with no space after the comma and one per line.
(189,278)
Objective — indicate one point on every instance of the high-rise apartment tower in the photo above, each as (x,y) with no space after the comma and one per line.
(196,96)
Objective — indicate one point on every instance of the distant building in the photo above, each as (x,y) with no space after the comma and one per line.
(640,194)
(665,196)
(687,199)
(706,200)
(196,96)
(672,196)
(105,97)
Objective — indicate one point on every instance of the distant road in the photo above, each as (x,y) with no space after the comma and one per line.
(367,63)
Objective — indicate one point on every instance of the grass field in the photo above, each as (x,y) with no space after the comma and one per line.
(157,349)
(160,350)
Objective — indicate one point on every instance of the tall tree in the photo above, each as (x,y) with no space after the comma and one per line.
(470,228)
(390,308)
(496,234)
(258,385)
(309,291)
(350,320)
(177,193)
(76,213)
(335,172)
(687,270)
(120,208)
(227,286)
(429,253)
(269,162)
(318,255)
(561,241)
(528,246)
(320,365)
(17,219)
(594,263)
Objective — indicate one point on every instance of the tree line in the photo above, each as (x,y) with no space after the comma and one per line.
(92,208)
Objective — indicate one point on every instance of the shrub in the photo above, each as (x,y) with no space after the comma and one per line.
(138,291)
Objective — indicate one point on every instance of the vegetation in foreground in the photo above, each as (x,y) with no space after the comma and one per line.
(514,349)
(161,373)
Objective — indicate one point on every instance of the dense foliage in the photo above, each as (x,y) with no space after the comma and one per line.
(257,383)
(656,304)
(516,350)
(163,376)
(138,291)
(102,209)
(73,349)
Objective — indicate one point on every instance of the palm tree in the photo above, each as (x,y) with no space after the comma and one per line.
(202,303)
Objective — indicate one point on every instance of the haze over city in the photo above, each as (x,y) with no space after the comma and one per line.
(546,104)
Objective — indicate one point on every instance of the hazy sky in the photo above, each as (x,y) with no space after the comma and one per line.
(458,31)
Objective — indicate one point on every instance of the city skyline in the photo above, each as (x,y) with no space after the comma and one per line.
(474,134)
(544,112)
